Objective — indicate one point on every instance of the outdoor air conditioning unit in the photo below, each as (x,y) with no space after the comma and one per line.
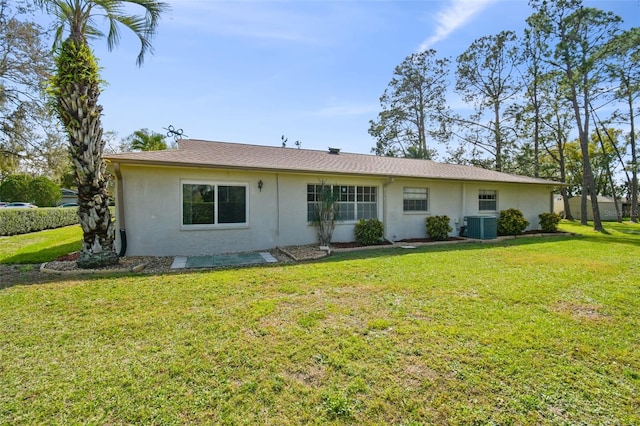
(481,227)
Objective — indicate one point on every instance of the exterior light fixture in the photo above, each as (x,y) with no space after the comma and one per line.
(260,183)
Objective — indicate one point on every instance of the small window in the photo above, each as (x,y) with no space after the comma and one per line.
(232,206)
(416,199)
(198,204)
(488,200)
(212,204)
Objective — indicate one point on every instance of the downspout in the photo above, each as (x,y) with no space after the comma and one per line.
(278,205)
(120,207)
(385,210)
(464,201)
(462,227)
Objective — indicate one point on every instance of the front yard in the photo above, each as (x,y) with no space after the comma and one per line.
(526,331)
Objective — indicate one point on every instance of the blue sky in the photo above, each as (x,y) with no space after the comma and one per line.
(251,71)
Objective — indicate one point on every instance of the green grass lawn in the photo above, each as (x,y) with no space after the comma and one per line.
(527,331)
(38,247)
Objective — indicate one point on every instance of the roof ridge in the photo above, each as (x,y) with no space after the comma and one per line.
(234,155)
(290,148)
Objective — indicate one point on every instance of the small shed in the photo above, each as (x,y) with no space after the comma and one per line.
(605,204)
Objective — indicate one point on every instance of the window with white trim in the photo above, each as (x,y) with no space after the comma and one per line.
(415,199)
(214,204)
(488,200)
(353,202)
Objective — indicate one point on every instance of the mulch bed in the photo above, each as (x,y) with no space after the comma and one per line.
(427,240)
(71,257)
(539,231)
(354,244)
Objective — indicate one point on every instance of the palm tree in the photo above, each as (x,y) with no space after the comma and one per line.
(146,140)
(75,88)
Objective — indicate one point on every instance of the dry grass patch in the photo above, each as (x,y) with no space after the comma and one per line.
(581,311)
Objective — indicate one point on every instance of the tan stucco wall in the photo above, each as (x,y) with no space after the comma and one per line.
(607,209)
(460,199)
(277,215)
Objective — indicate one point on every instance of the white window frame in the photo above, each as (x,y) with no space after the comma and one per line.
(355,202)
(427,193)
(215,224)
(482,192)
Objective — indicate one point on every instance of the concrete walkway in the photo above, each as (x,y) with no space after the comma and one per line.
(222,260)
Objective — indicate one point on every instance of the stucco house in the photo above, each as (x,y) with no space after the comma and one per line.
(68,196)
(217,197)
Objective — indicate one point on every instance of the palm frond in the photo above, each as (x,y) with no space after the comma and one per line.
(76,18)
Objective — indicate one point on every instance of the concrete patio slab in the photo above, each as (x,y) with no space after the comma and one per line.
(222,260)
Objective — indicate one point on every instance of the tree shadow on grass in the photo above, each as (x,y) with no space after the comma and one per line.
(604,241)
(439,248)
(33,276)
(44,255)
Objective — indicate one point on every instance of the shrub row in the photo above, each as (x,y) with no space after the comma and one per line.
(23,221)
(510,222)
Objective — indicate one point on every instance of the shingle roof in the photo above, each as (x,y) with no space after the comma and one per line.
(198,153)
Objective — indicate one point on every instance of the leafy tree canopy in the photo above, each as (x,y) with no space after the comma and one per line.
(413,108)
(29,138)
(145,140)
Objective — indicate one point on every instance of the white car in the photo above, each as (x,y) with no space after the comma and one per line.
(19,205)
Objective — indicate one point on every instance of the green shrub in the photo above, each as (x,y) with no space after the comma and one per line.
(43,192)
(369,232)
(40,191)
(23,221)
(438,227)
(15,188)
(549,222)
(511,222)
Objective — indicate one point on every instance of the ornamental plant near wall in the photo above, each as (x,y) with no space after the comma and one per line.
(369,232)
(325,213)
(511,222)
(438,227)
(549,222)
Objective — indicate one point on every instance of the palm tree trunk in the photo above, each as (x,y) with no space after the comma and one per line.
(77,94)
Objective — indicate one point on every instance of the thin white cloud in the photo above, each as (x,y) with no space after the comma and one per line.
(453,16)
(306,23)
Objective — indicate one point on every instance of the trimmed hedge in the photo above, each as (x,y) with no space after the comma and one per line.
(23,221)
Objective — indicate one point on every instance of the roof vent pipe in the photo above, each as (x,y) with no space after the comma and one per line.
(335,151)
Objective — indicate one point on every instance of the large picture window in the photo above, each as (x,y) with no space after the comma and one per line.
(488,200)
(213,204)
(353,202)
(415,199)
